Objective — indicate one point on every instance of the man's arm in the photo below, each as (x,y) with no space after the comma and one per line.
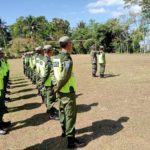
(46,73)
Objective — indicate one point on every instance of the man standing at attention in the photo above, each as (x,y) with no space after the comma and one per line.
(102,61)
(65,88)
(94,60)
(46,81)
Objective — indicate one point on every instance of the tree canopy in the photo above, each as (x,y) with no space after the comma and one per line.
(116,35)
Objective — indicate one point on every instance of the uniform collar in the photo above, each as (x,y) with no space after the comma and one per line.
(64,51)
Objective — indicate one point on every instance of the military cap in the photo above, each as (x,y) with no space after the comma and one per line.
(48,47)
(64,39)
(93,47)
(101,47)
(38,48)
(1,50)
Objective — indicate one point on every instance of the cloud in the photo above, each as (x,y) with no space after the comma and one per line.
(121,11)
(136,9)
(99,6)
(97,10)
(101,3)
(113,7)
(117,14)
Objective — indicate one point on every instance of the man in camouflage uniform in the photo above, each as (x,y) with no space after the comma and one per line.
(31,66)
(41,72)
(33,58)
(24,66)
(5,66)
(102,61)
(3,125)
(65,88)
(37,62)
(94,60)
(26,62)
(47,82)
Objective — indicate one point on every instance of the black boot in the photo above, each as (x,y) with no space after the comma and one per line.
(75,143)
(93,75)
(101,75)
(2,130)
(7,99)
(8,86)
(53,113)
(63,135)
(63,132)
(6,124)
(5,109)
(8,92)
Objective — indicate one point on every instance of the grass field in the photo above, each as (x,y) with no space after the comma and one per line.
(113,113)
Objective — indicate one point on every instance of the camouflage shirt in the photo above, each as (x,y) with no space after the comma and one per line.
(93,57)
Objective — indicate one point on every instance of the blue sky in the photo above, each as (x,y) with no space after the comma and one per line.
(71,10)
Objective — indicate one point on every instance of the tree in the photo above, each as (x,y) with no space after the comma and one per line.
(80,34)
(59,27)
(115,35)
(136,36)
(17,28)
(145,4)
(5,36)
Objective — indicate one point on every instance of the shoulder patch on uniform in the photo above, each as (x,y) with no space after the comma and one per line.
(55,64)
(67,64)
(41,62)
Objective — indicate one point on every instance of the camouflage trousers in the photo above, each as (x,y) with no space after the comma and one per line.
(33,78)
(67,113)
(102,68)
(28,72)
(94,68)
(31,74)
(2,105)
(24,69)
(49,97)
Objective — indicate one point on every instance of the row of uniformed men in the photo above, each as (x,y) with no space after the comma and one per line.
(4,84)
(38,68)
(54,76)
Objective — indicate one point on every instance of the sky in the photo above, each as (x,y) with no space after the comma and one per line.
(72,10)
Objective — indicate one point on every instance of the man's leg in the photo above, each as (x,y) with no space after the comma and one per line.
(94,69)
(50,101)
(102,70)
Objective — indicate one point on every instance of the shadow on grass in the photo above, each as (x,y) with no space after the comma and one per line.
(17,86)
(17,79)
(35,120)
(25,107)
(24,90)
(111,75)
(98,129)
(77,95)
(84,108)
(55,143)
(15,83)
(24,97)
